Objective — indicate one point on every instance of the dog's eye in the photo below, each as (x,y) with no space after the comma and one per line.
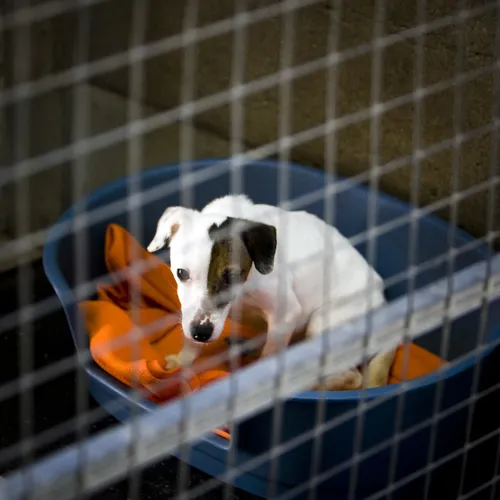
(182,274)
(231,276)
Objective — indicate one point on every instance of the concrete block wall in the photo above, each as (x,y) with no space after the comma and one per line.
(52,191)
(110,23)
(163,79)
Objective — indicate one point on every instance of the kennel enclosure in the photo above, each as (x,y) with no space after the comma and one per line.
(107,107)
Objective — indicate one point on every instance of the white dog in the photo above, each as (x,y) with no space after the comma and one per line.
(301,272)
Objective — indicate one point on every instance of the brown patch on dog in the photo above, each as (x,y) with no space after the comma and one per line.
(238,244)
(230,264)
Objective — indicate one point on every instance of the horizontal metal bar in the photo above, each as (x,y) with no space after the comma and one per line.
(106,457)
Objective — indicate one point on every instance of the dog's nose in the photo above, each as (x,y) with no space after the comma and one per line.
(202,332)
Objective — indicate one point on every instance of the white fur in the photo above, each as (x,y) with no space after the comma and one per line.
(319,279)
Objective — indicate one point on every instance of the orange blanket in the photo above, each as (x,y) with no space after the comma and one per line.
(133,325)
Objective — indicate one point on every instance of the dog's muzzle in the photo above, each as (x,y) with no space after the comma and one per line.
(202,333)
(201,328)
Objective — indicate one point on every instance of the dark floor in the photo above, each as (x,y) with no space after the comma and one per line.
(55,403)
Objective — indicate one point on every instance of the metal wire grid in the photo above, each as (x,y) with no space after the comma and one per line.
(106,456)
(184,416)
(21,72)
(330,216)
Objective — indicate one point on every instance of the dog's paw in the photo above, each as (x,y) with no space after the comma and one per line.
(353,380)
(183,359)
(172,362)
(378,382)
(350,380)
(187,357)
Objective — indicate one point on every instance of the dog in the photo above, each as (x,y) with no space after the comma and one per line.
(301,272)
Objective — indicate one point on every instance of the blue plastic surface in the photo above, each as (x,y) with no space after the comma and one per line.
(261,181)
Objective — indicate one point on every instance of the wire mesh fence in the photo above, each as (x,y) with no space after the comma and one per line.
(376,97)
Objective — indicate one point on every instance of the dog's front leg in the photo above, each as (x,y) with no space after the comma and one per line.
(281,324)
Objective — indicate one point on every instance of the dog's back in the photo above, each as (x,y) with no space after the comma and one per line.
(325,266)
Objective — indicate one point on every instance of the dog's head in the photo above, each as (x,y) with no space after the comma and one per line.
(211,258)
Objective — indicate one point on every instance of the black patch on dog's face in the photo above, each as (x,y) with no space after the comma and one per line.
(237,244)
(259,239)
(229,265)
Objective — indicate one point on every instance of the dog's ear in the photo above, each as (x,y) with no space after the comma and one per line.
(167,226)
(260,241)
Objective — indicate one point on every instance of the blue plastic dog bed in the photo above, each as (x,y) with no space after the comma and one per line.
(260,180)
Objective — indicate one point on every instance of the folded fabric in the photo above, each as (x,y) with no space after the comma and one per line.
(133,325)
